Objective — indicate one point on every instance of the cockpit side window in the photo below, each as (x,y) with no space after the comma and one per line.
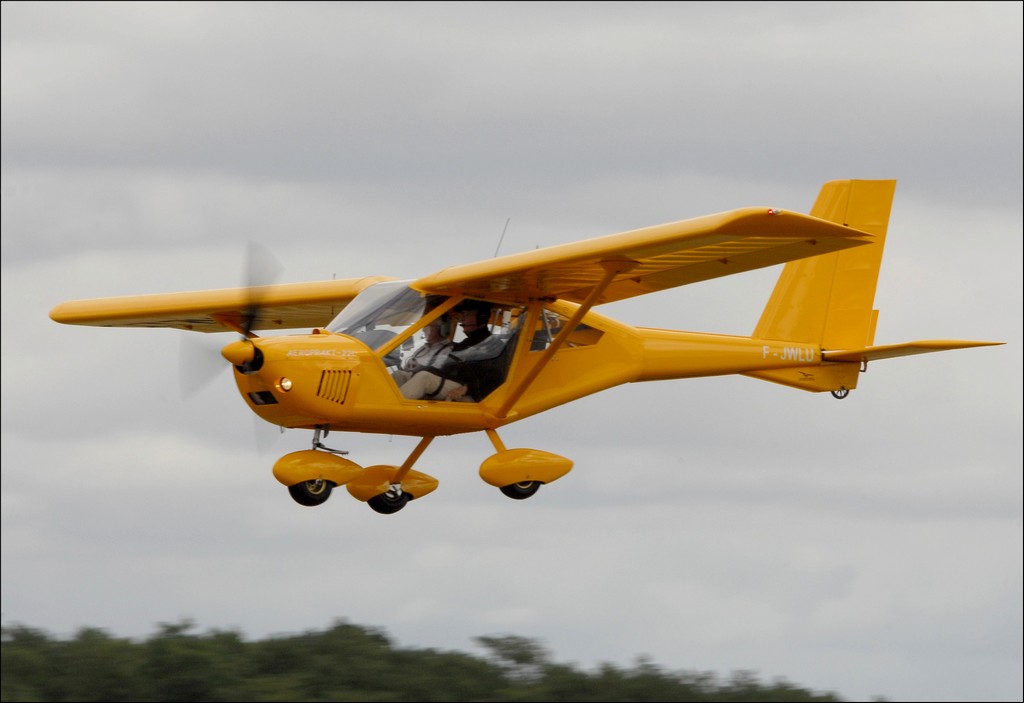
(480,335)
(551,323)
(469,363)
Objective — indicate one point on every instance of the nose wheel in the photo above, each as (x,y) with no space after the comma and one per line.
(310,493)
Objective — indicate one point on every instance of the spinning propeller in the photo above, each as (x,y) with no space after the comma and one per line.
(262,269)
(202,357)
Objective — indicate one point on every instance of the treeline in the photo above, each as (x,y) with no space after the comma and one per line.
(342,663)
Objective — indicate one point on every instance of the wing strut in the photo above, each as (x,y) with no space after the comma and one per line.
(612,269)
(233,324)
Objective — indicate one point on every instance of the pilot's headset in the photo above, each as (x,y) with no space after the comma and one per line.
(444,326)
(444,323)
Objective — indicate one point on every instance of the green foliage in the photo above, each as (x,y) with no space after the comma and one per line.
(345,662)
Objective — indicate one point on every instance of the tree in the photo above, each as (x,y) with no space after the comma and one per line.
(345,662)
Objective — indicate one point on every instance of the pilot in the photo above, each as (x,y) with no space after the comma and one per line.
(444,381)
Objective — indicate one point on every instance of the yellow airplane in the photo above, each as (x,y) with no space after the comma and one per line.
(516,335)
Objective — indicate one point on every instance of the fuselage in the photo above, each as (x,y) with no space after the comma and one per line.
(335,380)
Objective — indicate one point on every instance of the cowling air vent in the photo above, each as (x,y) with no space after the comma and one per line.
(334,385)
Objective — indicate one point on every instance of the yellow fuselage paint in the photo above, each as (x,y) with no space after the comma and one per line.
(331,380)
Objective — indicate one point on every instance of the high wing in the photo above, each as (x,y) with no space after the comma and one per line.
(657,258)
(653,259)
(286,306)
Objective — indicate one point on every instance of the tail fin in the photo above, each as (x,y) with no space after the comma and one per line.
(829,300)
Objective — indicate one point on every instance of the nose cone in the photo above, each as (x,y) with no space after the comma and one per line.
(240,353)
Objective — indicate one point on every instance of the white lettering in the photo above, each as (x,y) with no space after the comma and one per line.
(788,353)
(330,353)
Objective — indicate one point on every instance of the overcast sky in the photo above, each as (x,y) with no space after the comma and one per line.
(869,547)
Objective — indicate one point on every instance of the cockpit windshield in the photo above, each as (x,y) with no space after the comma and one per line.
(384,307)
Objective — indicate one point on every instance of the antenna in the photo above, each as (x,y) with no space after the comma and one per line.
(502,238)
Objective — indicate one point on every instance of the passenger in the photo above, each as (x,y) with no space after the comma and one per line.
(445,382)
(432,353)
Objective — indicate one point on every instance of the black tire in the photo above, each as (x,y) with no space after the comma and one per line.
(311,493)
(521,490)
(390,502)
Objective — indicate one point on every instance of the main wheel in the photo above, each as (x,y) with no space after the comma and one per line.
(521,490)
(390,502)
(310,493)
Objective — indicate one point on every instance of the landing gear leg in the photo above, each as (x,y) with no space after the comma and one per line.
(317,444)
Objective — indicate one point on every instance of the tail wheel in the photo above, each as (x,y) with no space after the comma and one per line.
(841,393)
(310,493)
(390,502)
(521,490)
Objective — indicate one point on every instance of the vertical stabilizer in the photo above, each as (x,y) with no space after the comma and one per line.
(829,299)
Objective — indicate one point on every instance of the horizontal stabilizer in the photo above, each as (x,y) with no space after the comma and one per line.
(891,351)
(847,364)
